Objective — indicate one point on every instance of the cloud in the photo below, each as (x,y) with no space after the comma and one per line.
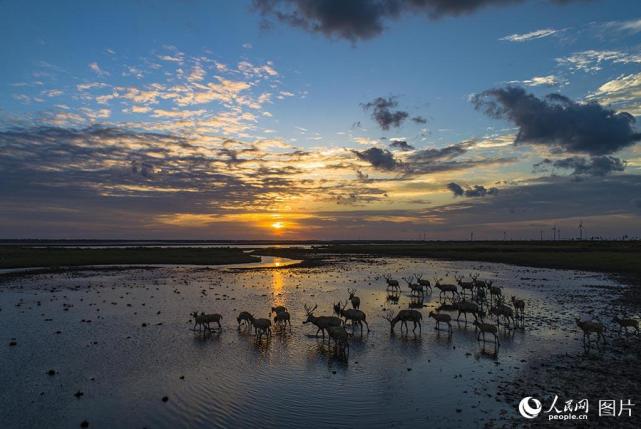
(474,191)
(419,120)
(445,153)
(558,122)
(401,145)
(632,26)
(363,19)
(549,80)
(592,60)
(456,189)
(595,166)
(383,114)
(97,70)
(381,159)
(622,93)
(533,35)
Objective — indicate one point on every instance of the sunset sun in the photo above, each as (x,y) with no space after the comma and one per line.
(278,225)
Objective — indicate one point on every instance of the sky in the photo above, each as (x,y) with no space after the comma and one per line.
(320,119)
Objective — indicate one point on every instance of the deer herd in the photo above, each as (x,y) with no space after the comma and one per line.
(481,300)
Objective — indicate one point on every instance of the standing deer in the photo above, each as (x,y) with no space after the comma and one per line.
(340,337)
(404,316)
(278,309)
(465,286)
(391,283)
(356,301)
(486,328)
(519,308)
(502,310)
(262,327)
(203,320)
(442,318)
(626,323)
(589,327)
(283,319)
(323,323)
(354,316)
(245,318)
(465,307)
(423,282)
(445,289)
(416,289)
(496,293)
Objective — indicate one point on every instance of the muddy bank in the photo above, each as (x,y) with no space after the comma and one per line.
(53,257)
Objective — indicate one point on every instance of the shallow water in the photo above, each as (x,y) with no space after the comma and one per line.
(88,327)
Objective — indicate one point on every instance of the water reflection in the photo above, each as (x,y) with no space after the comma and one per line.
(230,377)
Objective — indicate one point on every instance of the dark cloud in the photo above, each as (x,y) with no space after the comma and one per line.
(401,145)
(426,161)
(384,114)
(594,166)
(419,120)
(456,189)
(381,159)
(363,19)
(474,191)
(557,121)
(446,153)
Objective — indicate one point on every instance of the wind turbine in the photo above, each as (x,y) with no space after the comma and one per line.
(554,232)
(581,230)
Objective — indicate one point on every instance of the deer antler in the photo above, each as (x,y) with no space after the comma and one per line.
(309,310)
(389,316)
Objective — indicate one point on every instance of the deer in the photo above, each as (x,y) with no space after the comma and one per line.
(486,328)
(442,318)
(283,319)
(262,327)
(503,310)
(356,301)
(353,315)
(465,286)
(203,320)
(423,282)
(404,316)
(589,327)
(481,284)
(519,308)
(416,289)
(323,323)
(445,289)
(626,323)
(278,309)
(465,307)
(245,318)
(496,293)
(391,283)
(340,337)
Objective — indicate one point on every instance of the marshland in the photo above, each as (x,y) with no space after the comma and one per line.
(125,343)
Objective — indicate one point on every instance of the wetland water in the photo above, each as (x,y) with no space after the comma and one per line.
(122,339)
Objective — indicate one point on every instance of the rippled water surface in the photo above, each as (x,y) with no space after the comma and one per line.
(122,339)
